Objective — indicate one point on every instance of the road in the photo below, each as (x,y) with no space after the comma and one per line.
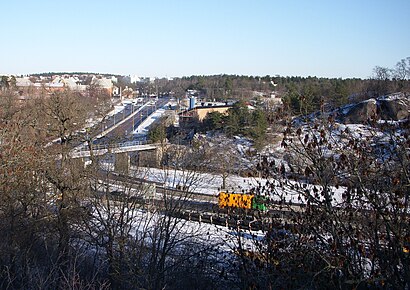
(123,132)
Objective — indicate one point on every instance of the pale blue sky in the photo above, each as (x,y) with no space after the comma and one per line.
(185,37)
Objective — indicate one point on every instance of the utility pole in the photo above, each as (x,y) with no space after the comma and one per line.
(260,166)
(132,112)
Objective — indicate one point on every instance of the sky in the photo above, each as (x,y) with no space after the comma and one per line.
(160,38)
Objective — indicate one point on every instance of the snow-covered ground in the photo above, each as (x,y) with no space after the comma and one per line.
(206,183)
(142,129)
(284,190)
(213,234)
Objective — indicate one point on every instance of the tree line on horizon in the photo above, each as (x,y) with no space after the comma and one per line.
(295,90)
(299,94)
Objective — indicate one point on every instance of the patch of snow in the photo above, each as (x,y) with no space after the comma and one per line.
(142,129)
(210,184)
(392,97)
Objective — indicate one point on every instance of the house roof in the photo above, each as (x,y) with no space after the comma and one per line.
(103,82)
(23,82)
(190,111)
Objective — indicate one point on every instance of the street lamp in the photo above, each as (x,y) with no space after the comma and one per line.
(133,118)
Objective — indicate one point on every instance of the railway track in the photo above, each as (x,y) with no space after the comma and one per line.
(160,188)
(202,207)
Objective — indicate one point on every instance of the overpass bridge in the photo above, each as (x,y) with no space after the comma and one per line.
(101,149)
(150,154)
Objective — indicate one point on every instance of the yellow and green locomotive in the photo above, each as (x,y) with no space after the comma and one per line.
(242,200)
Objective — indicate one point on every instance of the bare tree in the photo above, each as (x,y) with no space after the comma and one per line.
(136,228)
(342,212)
(402,70)
(69,226)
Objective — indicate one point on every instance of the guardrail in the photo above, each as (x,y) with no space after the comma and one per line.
(114,145)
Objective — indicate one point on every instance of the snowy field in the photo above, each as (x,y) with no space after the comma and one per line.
(206,183)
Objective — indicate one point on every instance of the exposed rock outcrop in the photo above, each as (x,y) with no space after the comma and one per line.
(393,107)
(359,113)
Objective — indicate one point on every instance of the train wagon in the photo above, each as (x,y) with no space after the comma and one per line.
(235,200)
(242,200)
(259,203)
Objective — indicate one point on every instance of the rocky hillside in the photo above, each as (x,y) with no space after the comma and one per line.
(393,107)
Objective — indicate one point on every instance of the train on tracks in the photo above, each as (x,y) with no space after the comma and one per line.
(242,200)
